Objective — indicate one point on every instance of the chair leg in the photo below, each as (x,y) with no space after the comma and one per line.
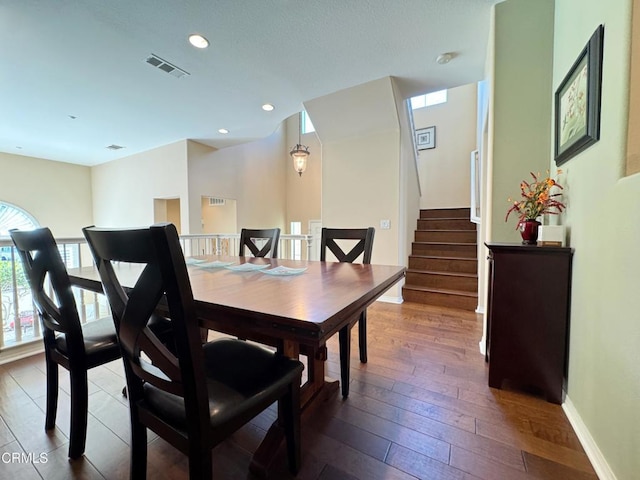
(344,339)
(138,467)
(52,394)
(200,464)
(289,411)
(79,404)
(362,336)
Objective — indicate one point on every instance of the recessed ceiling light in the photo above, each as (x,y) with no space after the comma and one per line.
(198,41)
(223,130)
(267,107)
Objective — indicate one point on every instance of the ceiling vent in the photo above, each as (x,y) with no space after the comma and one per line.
(114,147)
(165,66)
(216,202)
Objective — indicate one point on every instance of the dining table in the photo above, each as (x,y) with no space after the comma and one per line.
(292,305)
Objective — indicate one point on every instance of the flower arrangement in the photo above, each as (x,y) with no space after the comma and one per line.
(537,200)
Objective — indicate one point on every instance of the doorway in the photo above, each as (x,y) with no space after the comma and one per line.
(167,210)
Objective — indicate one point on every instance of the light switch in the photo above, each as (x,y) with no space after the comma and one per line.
(385,224)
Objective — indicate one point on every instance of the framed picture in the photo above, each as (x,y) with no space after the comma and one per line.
(577,102)
(426,138)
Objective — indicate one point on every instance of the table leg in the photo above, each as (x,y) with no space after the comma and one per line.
(312,393)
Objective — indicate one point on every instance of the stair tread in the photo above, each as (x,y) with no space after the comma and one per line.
(447,230)
(462,293)
(442,272)
(438,257)
(464,244)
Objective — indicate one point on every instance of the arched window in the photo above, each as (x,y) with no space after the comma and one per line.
(14,217)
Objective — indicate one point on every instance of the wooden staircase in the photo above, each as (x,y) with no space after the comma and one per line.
(443,265)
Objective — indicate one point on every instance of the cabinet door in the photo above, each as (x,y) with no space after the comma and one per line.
(529,315)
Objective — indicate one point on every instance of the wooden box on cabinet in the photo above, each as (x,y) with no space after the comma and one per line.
(528,316)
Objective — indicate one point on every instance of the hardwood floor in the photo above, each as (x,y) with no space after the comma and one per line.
(420,408)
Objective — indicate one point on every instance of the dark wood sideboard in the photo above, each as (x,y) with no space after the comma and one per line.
(528,316)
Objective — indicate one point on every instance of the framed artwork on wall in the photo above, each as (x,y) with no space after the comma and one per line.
(577,102)
(426,138)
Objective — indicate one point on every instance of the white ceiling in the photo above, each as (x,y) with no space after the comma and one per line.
(86,58)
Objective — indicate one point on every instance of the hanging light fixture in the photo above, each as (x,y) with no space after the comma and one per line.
(300,152)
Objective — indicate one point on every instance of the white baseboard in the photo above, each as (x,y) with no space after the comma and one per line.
(596,457)
(482,345)
(390,299)
(28,349)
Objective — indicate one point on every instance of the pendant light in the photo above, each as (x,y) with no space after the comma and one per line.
(300,152)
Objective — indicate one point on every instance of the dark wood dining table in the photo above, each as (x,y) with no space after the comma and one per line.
(297,314)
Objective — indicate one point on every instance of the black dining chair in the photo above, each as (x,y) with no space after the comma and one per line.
(248,238)
(67,342)
(363,238)
(202,394)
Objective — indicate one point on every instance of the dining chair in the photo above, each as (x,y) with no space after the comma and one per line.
(248,239)
(67,342)
(363,238)
(205,392)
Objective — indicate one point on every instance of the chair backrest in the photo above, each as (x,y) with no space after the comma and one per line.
(363,246)
(247,237)
(163,285)
(41,260)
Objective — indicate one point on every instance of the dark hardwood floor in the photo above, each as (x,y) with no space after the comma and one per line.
(420,408)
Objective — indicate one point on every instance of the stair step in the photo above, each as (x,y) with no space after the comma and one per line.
(446,212)
(443,264)
(467,282)
(446,224)
(437,249)
(446,236)
(441,297)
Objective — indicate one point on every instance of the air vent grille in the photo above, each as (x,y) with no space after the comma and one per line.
(165,66)
(216,202)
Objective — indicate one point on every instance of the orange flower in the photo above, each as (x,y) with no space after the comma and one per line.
(537,199)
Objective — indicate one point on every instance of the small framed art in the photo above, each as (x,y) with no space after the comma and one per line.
(426,138)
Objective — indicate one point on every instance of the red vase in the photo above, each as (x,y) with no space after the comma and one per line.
(529,232)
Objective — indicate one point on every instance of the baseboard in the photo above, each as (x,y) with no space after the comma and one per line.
(482,345)
(390,299)
(28,349)
(596,457)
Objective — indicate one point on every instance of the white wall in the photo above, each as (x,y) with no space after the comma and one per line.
(409,201)
(219,218)
(444,170)
(253,174)
(360,136)
(124,189)
(303,192)
(56,194)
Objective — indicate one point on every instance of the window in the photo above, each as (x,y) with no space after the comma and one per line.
(296,245)
(429,99)
(14,217)
(307,126)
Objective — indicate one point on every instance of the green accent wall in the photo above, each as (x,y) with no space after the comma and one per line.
(602,220)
